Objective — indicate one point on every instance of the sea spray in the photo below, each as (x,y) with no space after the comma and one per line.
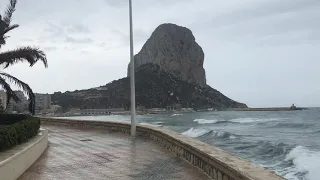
(305,162)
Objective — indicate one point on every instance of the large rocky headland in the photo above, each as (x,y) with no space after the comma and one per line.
(168,71)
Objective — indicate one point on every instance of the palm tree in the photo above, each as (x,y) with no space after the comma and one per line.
(8,58)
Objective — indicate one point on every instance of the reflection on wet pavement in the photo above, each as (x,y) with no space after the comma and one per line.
(100,155)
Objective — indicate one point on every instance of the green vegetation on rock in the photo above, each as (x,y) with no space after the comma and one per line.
(154,89)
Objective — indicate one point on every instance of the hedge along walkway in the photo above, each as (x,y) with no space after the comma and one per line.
(16,131)
(99,155)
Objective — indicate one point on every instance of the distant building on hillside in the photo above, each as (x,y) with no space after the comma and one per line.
(43,102)
(20,106)
(99,111)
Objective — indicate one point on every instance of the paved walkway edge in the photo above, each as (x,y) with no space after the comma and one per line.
(14,162)
(216,163)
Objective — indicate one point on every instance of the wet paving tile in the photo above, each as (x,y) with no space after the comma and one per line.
(83,154)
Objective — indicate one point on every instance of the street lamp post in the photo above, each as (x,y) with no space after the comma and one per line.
(132,71)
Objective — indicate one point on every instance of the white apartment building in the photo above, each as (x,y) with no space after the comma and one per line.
(43,101)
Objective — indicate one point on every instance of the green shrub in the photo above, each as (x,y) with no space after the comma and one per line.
(7,119)
(19,132)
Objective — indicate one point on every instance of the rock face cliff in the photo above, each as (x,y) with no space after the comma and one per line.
(174,49)
(168,71)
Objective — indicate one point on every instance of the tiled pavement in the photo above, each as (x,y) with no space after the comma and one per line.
(100,155)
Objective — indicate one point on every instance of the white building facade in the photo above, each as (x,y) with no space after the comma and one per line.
(43,102)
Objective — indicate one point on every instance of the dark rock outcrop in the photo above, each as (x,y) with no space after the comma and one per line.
(175,50)
(154,88)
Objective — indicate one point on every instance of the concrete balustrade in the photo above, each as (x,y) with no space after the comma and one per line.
(216,163)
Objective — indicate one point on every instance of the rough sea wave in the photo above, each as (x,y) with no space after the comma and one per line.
(236,120)
(205,121)
(199,132)
(196,132)
(296,163)
(291,125)
(287,158)
(306,164)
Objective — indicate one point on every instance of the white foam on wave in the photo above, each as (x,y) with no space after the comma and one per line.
(156,125)
(253,120)
(205,121)
(223,134)
(233,137)
(237,120)
(195,132)
(176,115)
(305,161)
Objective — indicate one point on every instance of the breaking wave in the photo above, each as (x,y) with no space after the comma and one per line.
(253,120)
(306,164)
(237,120)
(176,115)
(157,124)
(205,121)
(224,135)
(296,163)
(196,132)
(267,150)
(245,120)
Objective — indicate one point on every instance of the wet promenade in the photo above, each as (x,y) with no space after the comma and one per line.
(100,155)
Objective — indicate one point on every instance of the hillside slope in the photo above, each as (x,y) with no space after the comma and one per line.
(154,88)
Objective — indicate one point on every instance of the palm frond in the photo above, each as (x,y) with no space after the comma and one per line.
(10,93)
(9,28)
(25,87)
(9,11)
(3,37)
(32,55)
(5,26)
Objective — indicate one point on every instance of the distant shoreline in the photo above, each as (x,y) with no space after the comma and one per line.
(268,109)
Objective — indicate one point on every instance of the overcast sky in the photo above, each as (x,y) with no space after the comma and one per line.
(260,52)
